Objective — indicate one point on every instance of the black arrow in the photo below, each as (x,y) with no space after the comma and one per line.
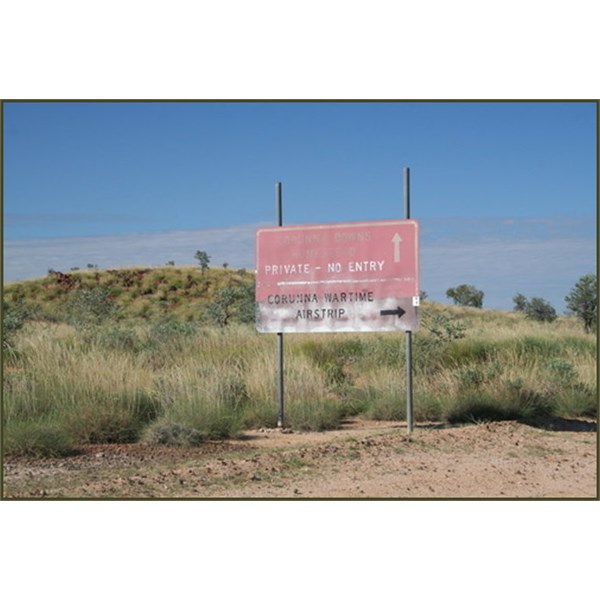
(398,311)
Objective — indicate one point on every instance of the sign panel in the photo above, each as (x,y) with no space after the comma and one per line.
(338,277)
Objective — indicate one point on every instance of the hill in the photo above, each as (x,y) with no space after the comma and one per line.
(181,294)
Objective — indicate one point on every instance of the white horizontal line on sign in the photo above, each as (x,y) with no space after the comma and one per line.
(340,281)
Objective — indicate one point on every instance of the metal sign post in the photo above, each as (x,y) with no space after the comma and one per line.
(280,412)
(409,371)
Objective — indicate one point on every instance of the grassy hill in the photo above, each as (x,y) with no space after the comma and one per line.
(135,355)
(181,294)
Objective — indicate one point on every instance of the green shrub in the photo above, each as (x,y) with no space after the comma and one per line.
(583,301)
(444,327)
(466,295)
(87,307)
(539,309)
(14,317)
(232,303)
(37,438)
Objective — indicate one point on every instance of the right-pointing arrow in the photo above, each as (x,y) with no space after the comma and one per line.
(397,311)
(396,241)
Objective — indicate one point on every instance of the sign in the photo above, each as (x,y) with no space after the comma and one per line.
(338,277)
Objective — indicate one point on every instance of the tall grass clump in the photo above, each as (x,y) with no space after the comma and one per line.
(204,386)
(37,438)
(311,405)
(196,405)
(310,402)
(92,395)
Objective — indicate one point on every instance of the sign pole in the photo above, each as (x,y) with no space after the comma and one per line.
(280,413)
(409,370)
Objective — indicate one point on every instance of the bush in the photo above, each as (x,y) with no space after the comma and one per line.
(539,309)
(87,307)
(520,302)
(583,301)
(38,439)
(466,295)
(232,303)
(203,258)
(445,328)
(14,317)
(220,310)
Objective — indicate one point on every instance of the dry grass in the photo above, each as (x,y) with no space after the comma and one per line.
(127,380)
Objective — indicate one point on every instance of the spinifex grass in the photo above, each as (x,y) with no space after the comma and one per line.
(180,382)
(70,381)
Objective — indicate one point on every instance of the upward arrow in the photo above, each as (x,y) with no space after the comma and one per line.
(396,241)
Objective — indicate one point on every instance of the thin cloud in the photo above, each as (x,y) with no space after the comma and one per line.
(24,259)
(546,268)
(502,257)
(533,256)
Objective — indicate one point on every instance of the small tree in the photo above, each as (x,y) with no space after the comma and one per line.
(466,295)
(232,303)
(583,301)
(520,302)
(539,309)
(220,310)
(203,258)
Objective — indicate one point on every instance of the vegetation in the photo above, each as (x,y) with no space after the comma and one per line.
(203,258)
(129,295)
(134,355)
(536,309)
(520,302)
(583,301)
(466,295)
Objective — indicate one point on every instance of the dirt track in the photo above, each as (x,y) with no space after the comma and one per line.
(364,459)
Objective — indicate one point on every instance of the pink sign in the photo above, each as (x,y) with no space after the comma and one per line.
(338,277)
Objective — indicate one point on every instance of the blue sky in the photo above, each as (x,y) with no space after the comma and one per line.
(506,192)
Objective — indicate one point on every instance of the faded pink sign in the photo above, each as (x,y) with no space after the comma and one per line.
(338,277)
